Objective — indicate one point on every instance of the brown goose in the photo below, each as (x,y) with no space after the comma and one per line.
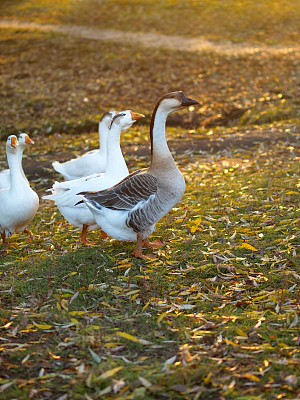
(130,209)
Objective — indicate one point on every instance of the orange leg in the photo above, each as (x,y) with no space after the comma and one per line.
(103,234)
(31,235)
(83,236)
(145,242)
(137,252)
(156,244)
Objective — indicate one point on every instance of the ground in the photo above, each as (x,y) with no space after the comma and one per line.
(215,315)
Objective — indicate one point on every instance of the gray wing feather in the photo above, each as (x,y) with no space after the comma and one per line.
(126,194)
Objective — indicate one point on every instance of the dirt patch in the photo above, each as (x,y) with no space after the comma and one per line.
(151,39)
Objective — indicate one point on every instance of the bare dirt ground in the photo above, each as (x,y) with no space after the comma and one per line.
(198,44)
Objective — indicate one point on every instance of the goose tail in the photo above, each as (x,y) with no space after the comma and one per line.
(58,167)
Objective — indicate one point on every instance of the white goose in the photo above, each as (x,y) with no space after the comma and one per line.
(19,203)
(93,161)
(130,209)
(64,194)
(23,140)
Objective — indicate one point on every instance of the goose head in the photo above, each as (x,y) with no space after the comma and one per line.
(174,101)
(24,139)
(104,126)
(106,117)
(125,119)
(12,144)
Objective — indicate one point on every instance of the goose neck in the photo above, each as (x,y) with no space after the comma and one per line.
(114,156)
(159,147)
(20,156)
(15,173)
(103,129)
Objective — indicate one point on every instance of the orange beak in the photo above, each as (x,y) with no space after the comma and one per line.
(28,140)
(14,141)
(136,116)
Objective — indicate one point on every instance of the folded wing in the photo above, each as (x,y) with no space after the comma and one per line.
(133,189)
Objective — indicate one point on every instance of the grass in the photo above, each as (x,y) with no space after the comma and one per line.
(216,315)
(51,83)
(266,21)
(221,303)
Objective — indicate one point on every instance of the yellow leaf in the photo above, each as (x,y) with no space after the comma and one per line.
(194,228)
(132,292)
(109,373)
(107,305)
(241,332)
(207,379)
(249,247)
(162,316)
(77,312)
(146,305)
(230,342)
(252,377)
(7,325)
(64,304)
(58,306)
(133,338)
(111,345)
(43,326)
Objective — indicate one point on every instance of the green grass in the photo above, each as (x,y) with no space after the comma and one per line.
(228,313)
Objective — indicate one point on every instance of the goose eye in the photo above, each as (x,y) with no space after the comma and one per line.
(114,118)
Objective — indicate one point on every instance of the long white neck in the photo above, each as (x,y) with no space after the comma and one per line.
(160,153)
(20,156)
(103,130)
(115,163)
(15,174)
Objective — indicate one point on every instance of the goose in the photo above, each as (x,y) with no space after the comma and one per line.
(93,161)
(64,194)
(19,203)
(130,209)
(23,140)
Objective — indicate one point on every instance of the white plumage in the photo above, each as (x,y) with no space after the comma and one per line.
(23,140)
(19,203)
(64,194)
(93,161)
(130,209)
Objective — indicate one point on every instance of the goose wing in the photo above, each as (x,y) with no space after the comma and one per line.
(125,195)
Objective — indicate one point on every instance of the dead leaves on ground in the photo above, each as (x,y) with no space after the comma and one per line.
(53,85)
(216,316)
